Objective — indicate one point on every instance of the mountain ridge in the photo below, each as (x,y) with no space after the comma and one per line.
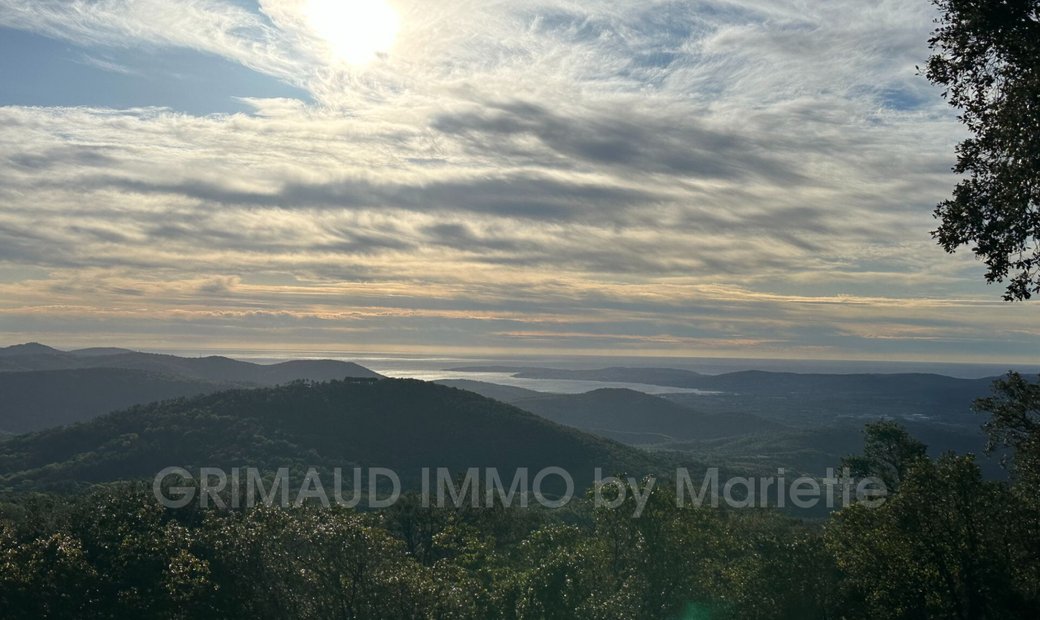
(35,356)
(41,386)
(625,415)
(397,423)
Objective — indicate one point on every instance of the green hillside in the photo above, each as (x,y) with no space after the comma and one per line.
(46,398)
(401,424)
(634,417)
(42,387)
(34,356)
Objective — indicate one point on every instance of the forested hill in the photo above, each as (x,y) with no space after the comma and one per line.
(626,415)
(401,424)
(35,356)
(788,397)
(41,387)
(33,401)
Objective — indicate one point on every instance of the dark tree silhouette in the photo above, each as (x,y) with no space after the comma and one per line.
(987,59)
(889,452)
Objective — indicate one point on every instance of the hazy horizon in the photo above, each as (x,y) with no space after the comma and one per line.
(410,365)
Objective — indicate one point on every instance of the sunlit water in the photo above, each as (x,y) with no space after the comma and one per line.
(557,386)
(439,368)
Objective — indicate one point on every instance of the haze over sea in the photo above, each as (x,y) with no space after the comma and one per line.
(441,368)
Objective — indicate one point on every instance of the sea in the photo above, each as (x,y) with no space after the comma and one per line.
(445,368)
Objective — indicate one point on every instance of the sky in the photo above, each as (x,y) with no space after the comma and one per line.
(746,178)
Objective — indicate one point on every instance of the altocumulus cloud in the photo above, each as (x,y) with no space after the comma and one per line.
(748,178)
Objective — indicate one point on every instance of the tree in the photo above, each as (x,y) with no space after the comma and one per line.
(987,59)
(888,453)
(942,547)
(1014,423)
(1014,410)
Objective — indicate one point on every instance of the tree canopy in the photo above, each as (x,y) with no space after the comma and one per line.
(946,544)
(987,59)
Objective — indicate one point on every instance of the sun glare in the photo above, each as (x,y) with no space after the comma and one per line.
(355,31)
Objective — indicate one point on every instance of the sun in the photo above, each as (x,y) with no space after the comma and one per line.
(355,31)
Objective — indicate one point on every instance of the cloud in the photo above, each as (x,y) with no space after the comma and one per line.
(511,196)
(213,26)
(106,65)
(621,138)
(747,178)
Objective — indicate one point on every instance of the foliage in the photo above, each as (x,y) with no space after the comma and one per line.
(401,424)
(1014,423)
(987,58)
(1014,420)
(889,452)
(948,544)
(937,549)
